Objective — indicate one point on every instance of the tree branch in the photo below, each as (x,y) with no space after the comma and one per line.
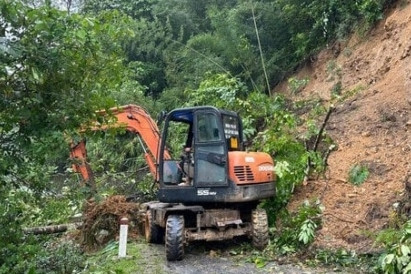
(51,228)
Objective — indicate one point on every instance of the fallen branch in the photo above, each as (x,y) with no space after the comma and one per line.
(320,133)
(330,149)
(52,228)
(307,168)
(317,141)
(339,218)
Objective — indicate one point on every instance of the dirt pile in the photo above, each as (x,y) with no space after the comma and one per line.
(371,126)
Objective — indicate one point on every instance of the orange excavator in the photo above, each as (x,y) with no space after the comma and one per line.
(209,190)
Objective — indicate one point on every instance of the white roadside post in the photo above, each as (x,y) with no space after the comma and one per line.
(122,249)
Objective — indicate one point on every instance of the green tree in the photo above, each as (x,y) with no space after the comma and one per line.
(135,8)
(56,69)
(146,48)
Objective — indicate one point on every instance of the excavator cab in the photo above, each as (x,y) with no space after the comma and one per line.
(204,135)
(209,145)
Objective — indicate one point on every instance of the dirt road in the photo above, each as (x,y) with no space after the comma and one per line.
(212,259)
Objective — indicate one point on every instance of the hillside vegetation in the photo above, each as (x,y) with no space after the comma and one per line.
(371,126)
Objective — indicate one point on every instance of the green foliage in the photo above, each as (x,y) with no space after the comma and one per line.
(219,90)
(307,231)
(358,174)
(342,260)
(135,8)
(336,89)
(297,230)
(296,85)
(149,49)
(388,237)
(291,159)
(339,257)
(258,259)
(178,42)
(397,258)
(49,81)
(117,161)
(59,203)
(64,257)
(56,69)
(20,258)
(147,188)
(371,10)
(170,98)
(258,111)
(347,94)
(291,155)
(107,261)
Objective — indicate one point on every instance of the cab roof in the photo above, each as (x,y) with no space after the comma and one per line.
(187,114)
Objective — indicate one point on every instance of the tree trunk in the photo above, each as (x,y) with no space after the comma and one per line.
(51,228)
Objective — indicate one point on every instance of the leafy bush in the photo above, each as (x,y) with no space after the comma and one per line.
(358,174)
(336,89)
(117,161)
(297,229)
(64,257)
(20,259)
(397,258)
(371,10)
(219,90)
(56,69)
(337,257)
(296,85)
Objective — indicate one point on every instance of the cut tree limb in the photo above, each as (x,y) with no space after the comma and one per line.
(320,133)
(52,228)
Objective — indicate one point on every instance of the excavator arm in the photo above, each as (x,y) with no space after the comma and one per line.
(133,119)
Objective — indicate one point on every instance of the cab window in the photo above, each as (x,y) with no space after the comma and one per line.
(207,128)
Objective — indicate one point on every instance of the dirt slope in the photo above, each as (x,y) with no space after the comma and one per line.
(372,127)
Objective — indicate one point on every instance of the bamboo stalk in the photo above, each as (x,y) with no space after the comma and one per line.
(260,49)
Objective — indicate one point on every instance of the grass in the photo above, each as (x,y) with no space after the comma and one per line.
(342,260)
(140,259)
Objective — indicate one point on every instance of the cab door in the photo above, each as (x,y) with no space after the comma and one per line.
(210,152)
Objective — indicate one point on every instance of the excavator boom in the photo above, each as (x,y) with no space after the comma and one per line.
(133,119)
